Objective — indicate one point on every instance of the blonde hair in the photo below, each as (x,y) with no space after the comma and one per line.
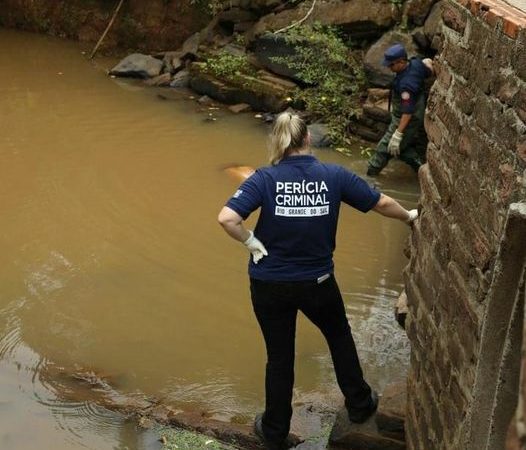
(289,133)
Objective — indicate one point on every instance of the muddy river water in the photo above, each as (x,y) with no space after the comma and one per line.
(112,259)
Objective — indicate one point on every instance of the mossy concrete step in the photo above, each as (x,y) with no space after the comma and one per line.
(383,431)
(366,436)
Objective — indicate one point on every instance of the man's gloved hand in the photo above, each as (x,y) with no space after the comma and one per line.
(255,247)
(413,214)
(394,144)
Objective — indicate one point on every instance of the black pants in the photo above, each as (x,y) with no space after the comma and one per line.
(276,305)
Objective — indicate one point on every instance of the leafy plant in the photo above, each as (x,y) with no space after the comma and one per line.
(228,66)
(334,78)
(182,439)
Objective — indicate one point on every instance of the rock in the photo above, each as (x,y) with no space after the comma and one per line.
(173,62)
(358,18)
(319,134)
(401,309)
(365,132)
(269,46)
(160,80)
(420,38)
(235,15)
(433,24)
(285,83)
(205,100)
(240,107)
(181,79)
(191,45)
(376,105)
(377,74)
(364,436)
(234,49)
(261,95)
(417,10)
(390,416)
(378,95)
(262,7)
(242,27)
(137,65)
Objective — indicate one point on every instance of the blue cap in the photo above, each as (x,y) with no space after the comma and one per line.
(393,53)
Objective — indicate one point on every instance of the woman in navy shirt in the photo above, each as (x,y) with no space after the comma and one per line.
(291,268)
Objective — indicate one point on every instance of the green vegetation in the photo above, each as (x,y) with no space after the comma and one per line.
(173,439)
(335,78)
(228,67)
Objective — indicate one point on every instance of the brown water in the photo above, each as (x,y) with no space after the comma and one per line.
(112,258)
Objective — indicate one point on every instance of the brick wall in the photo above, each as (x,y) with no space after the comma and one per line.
(476,169)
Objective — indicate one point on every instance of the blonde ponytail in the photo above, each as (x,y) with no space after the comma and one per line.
(289,132)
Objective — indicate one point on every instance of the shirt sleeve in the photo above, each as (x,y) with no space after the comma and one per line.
(248,197)
(407,99)
(356,192)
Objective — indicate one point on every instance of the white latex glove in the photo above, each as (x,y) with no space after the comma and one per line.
(413,214)
(255,247)
(394,144)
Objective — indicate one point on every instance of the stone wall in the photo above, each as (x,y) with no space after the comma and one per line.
(475,171)
(140,25)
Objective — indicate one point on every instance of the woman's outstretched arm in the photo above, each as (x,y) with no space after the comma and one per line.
(389,207)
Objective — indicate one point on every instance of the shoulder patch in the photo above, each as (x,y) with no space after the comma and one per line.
(237,193)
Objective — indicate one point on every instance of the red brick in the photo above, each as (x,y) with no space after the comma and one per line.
(494,16)
(511,26)
(474,6)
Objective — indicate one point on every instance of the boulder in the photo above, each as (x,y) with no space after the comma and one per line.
(191,45)
(261,95)
(417,10)
(173,62)
(262,7)
(234,49)
(376,105)
(319,135)
(160,80)
(137,65)
(181,79)
(358,18)
(269,46)
(420,38)
(234,15)
(377,74)
(433,25)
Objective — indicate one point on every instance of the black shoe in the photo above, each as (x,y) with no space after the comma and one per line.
(289,442)
(361,415)
(373,171)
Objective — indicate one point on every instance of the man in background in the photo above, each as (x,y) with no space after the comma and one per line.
(406,137)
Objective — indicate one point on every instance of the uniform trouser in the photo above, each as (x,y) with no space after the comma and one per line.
(276,305)
(412,148)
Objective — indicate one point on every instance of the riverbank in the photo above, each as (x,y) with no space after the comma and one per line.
(141,25)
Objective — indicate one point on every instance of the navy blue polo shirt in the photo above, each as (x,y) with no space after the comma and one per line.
(409,84)
(300,202)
